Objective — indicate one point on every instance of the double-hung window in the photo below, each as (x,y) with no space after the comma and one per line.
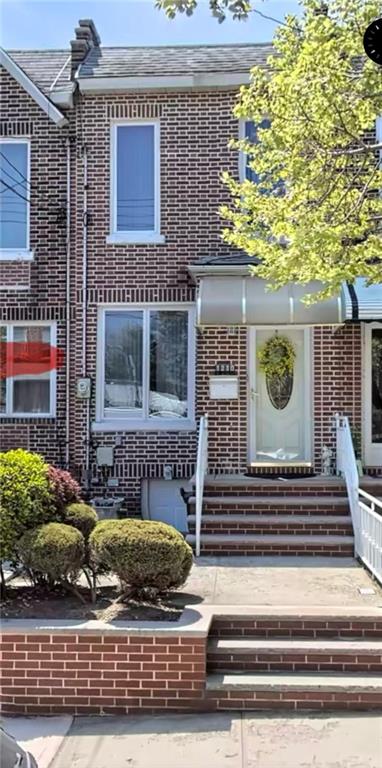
(14,198)
(135,203)
(146,376)
(27,370)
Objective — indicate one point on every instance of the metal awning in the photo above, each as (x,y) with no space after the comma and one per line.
(243,300)
(362,302)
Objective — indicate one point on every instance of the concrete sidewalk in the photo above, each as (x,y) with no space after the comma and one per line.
(223,740)
(302,581)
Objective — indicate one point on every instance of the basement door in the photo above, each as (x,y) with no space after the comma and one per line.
(280,409)
(372,395)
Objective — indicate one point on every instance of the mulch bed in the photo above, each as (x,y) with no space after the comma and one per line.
(29,602)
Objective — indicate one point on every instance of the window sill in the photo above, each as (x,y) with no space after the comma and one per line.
(4,416)
(13,254)
(135,425)
(131,238)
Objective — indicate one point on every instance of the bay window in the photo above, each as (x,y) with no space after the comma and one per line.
(27,370)
(146,371)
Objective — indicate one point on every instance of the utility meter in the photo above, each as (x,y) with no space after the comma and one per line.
(84,386)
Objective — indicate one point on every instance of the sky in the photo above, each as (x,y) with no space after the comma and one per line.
(50,23)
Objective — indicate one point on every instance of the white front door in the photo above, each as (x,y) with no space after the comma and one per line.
(372,400)
(280,410)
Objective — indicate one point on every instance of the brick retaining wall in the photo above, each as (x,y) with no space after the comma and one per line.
(101,673)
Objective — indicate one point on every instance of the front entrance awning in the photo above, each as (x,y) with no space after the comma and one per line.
(244,300)
(362,302)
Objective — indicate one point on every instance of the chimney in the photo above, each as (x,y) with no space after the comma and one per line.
(86,38)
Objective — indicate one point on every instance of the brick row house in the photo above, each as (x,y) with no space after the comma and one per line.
(111,162)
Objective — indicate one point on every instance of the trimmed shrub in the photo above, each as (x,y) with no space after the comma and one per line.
(25,497)
(81,516)
(143,554)
(55,550)
(65,489)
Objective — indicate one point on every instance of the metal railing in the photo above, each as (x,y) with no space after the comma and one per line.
(200,474)
(367,523)
(370,533)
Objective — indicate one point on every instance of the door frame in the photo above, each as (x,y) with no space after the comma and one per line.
(372,453)
(252,400)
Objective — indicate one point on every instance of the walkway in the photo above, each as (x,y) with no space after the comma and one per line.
(301,581)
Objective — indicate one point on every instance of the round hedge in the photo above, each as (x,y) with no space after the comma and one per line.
(143,554)
(56,550)
(25,497)
(81,516)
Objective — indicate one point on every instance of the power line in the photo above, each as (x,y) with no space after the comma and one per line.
(14,167)
(15,192)
(3,170)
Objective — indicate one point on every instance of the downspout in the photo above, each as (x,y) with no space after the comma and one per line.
(84,314)
(67,371)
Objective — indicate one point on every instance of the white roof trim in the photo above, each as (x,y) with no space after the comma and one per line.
(203,80)
(19,75)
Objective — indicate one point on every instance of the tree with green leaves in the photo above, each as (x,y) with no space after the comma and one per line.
(315,212)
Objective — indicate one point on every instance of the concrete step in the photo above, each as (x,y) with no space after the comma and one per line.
(269,622)
(321,691)
(232,524)
(245,654)
(249,544)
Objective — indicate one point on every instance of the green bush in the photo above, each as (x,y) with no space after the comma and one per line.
(55,550)
(25,497)
(143,554)
(81,516)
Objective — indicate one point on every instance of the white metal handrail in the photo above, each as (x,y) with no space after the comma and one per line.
(200,474)
(371,532)
(367,523)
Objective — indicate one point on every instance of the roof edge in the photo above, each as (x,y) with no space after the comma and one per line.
(30,87)
(164,82)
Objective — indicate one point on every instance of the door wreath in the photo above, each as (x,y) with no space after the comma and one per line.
(276,360)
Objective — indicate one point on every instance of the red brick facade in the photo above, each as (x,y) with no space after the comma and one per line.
(195,130)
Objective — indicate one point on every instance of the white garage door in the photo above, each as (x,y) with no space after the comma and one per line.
(161,500)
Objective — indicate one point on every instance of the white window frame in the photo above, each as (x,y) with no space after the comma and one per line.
(131,422)
(20,254)
(9,414)
(133,236)
(242,155)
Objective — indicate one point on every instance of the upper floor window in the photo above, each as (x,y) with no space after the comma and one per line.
(135,182)
(14,197)
(27,370)
(146,367)
(249,131)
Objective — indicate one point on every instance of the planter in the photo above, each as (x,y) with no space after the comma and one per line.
(107,508)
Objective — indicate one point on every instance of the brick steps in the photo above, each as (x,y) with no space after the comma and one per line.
(251,516)
(241,485)
(273,505)
(292,624)
(283,659)
(243,654)
(309,525)
(297,545)
(323,691)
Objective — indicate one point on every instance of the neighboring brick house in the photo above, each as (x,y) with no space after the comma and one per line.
(161,315)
